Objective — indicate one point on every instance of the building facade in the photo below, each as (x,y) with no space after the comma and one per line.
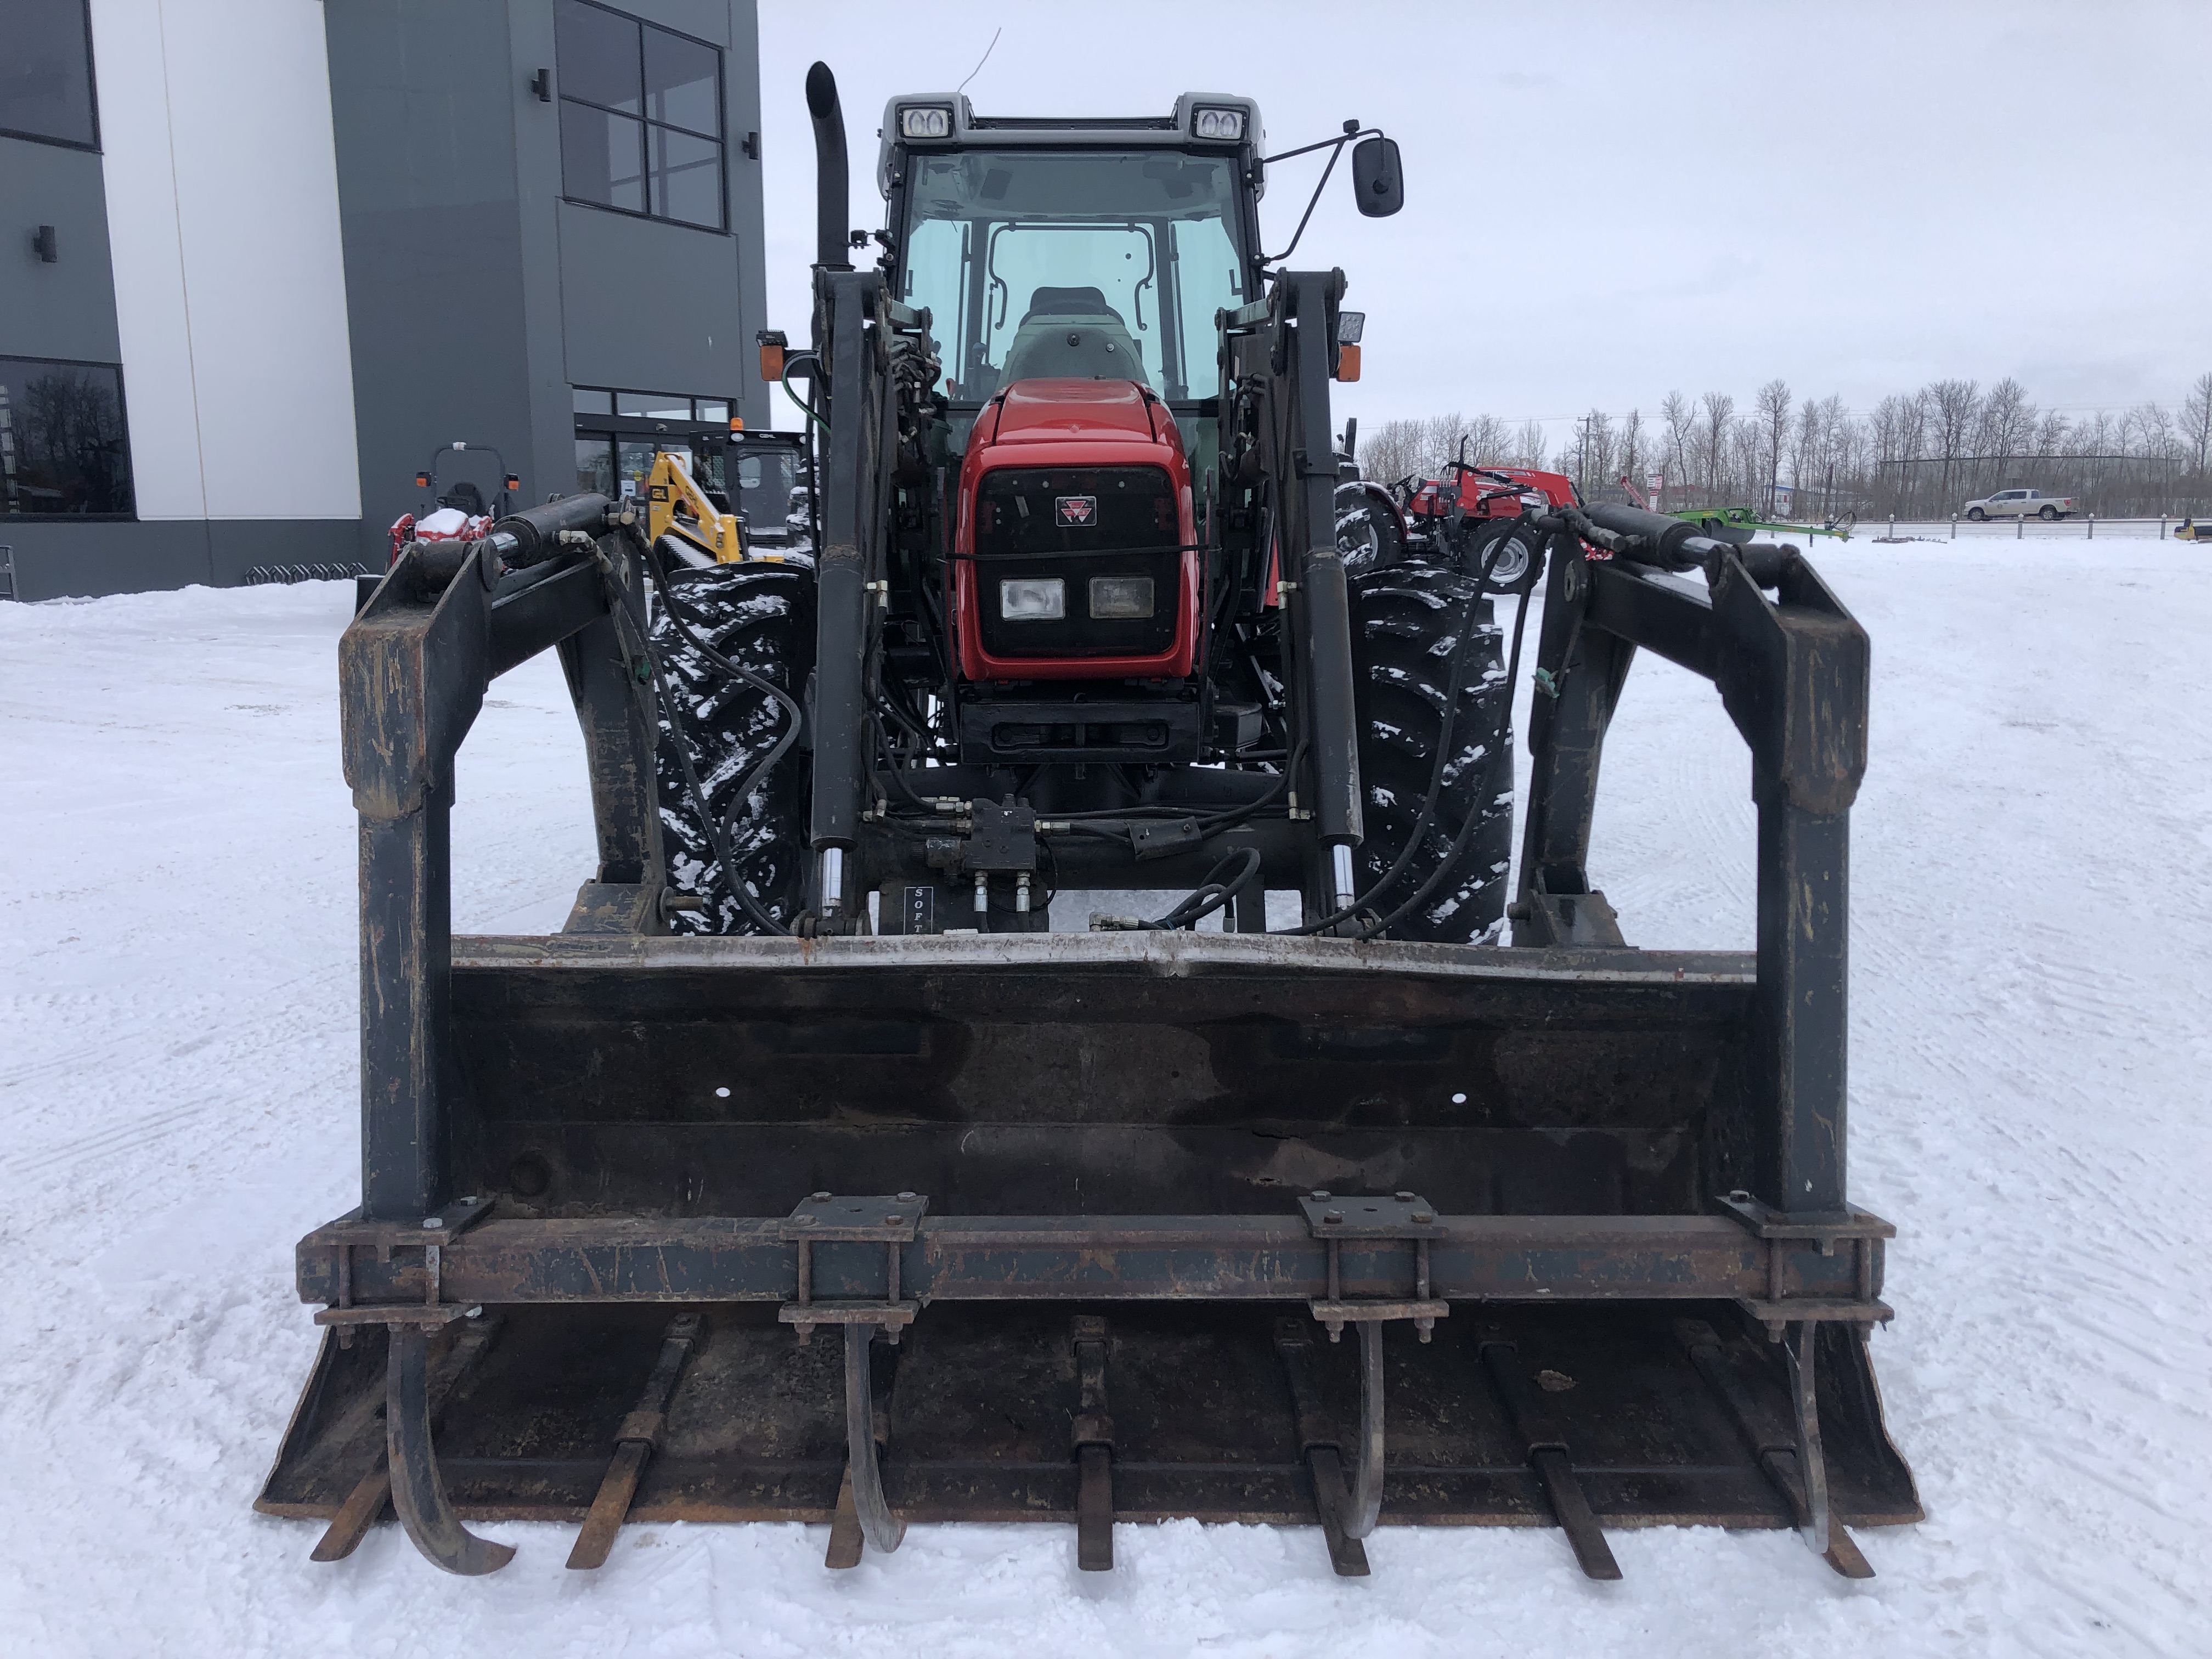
(266,273)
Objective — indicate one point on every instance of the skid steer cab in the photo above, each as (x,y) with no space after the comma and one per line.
(827,1166)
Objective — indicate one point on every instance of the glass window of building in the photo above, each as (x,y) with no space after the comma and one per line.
(640,116)
(64,449)
(617,434)
(45,72)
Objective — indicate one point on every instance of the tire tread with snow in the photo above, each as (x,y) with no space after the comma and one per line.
(761,617)
(1404,627)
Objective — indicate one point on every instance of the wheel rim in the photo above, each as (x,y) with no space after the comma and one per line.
(1511,564)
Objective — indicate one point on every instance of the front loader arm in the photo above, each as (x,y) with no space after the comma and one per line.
(1793,673)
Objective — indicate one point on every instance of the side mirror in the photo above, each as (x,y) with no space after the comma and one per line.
(1376,181)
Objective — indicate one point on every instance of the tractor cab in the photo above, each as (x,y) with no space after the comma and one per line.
(1075,249)
(1072,276)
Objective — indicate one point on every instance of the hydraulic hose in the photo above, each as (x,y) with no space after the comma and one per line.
(1430,801)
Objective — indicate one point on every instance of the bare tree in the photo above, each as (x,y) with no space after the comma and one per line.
(1593,455)
(2006,424)
(1772,404)
(1391,452)
(1528,446)
(1719,408)
(1952,406)
(2149,431)
(1488,442)
(1632,447)
(2197,424)
(1681,437)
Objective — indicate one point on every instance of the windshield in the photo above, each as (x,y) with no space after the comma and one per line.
(1084,263)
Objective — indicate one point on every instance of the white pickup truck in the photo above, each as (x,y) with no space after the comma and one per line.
(2019,504)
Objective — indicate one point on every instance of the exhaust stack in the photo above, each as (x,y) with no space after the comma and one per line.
(831,185)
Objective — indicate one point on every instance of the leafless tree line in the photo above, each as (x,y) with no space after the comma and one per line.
(1919,454)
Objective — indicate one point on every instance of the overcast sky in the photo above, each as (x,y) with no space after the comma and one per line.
(1606,202)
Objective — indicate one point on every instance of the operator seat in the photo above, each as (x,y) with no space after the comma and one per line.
(1072,334)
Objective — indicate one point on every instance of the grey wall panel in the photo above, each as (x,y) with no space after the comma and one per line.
(66,309)
(55,560)
(549,468)
(424,121)
(651,306)
(748,212)
(58,560)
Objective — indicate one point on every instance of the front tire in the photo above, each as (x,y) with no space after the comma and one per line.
(1369,536)
(760,617)
(1406,625)
(1975,515)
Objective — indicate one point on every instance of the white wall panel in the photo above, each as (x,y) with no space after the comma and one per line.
(149,280)
(230,283)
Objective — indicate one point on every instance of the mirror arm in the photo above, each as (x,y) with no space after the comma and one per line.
(1341,140)
(1312,202)
(1335,147)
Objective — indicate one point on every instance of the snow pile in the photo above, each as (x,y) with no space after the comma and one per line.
(2034,934)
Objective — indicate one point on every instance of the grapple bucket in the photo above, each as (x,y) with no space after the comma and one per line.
(1095,1227)
(1107,1226)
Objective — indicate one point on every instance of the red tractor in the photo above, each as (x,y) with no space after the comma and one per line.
(807,1174)
(1481,516)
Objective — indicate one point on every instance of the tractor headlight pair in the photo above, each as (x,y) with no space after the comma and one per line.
(1227,125)
(1044,598)
(925,121)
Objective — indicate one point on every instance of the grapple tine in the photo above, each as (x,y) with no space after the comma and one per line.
(1817,1523)
(1366,1507)
(365,1503)
(881,1529)
(417,1492)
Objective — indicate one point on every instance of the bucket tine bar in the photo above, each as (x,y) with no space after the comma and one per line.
(635,1444)
(1548,1455)
(1094,1451)
(1322,1445)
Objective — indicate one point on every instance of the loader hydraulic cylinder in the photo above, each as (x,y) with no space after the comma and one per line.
(1335,724)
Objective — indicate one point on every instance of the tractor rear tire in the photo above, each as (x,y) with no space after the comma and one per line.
(1406,625)
(760,617)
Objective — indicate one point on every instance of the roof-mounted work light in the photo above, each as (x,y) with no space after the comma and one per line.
(1226,125)
(925,121)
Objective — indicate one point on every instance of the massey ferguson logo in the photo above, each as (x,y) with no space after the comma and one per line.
(1076,509)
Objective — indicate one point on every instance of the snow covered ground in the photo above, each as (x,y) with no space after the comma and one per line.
(2032,1051)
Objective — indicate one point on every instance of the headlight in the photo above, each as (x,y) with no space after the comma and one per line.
(1223,124)
(925,121)
(1121,597)
(1350,325)
(1033,599)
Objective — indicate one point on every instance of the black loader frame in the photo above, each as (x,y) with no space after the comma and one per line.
(1090,1213)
